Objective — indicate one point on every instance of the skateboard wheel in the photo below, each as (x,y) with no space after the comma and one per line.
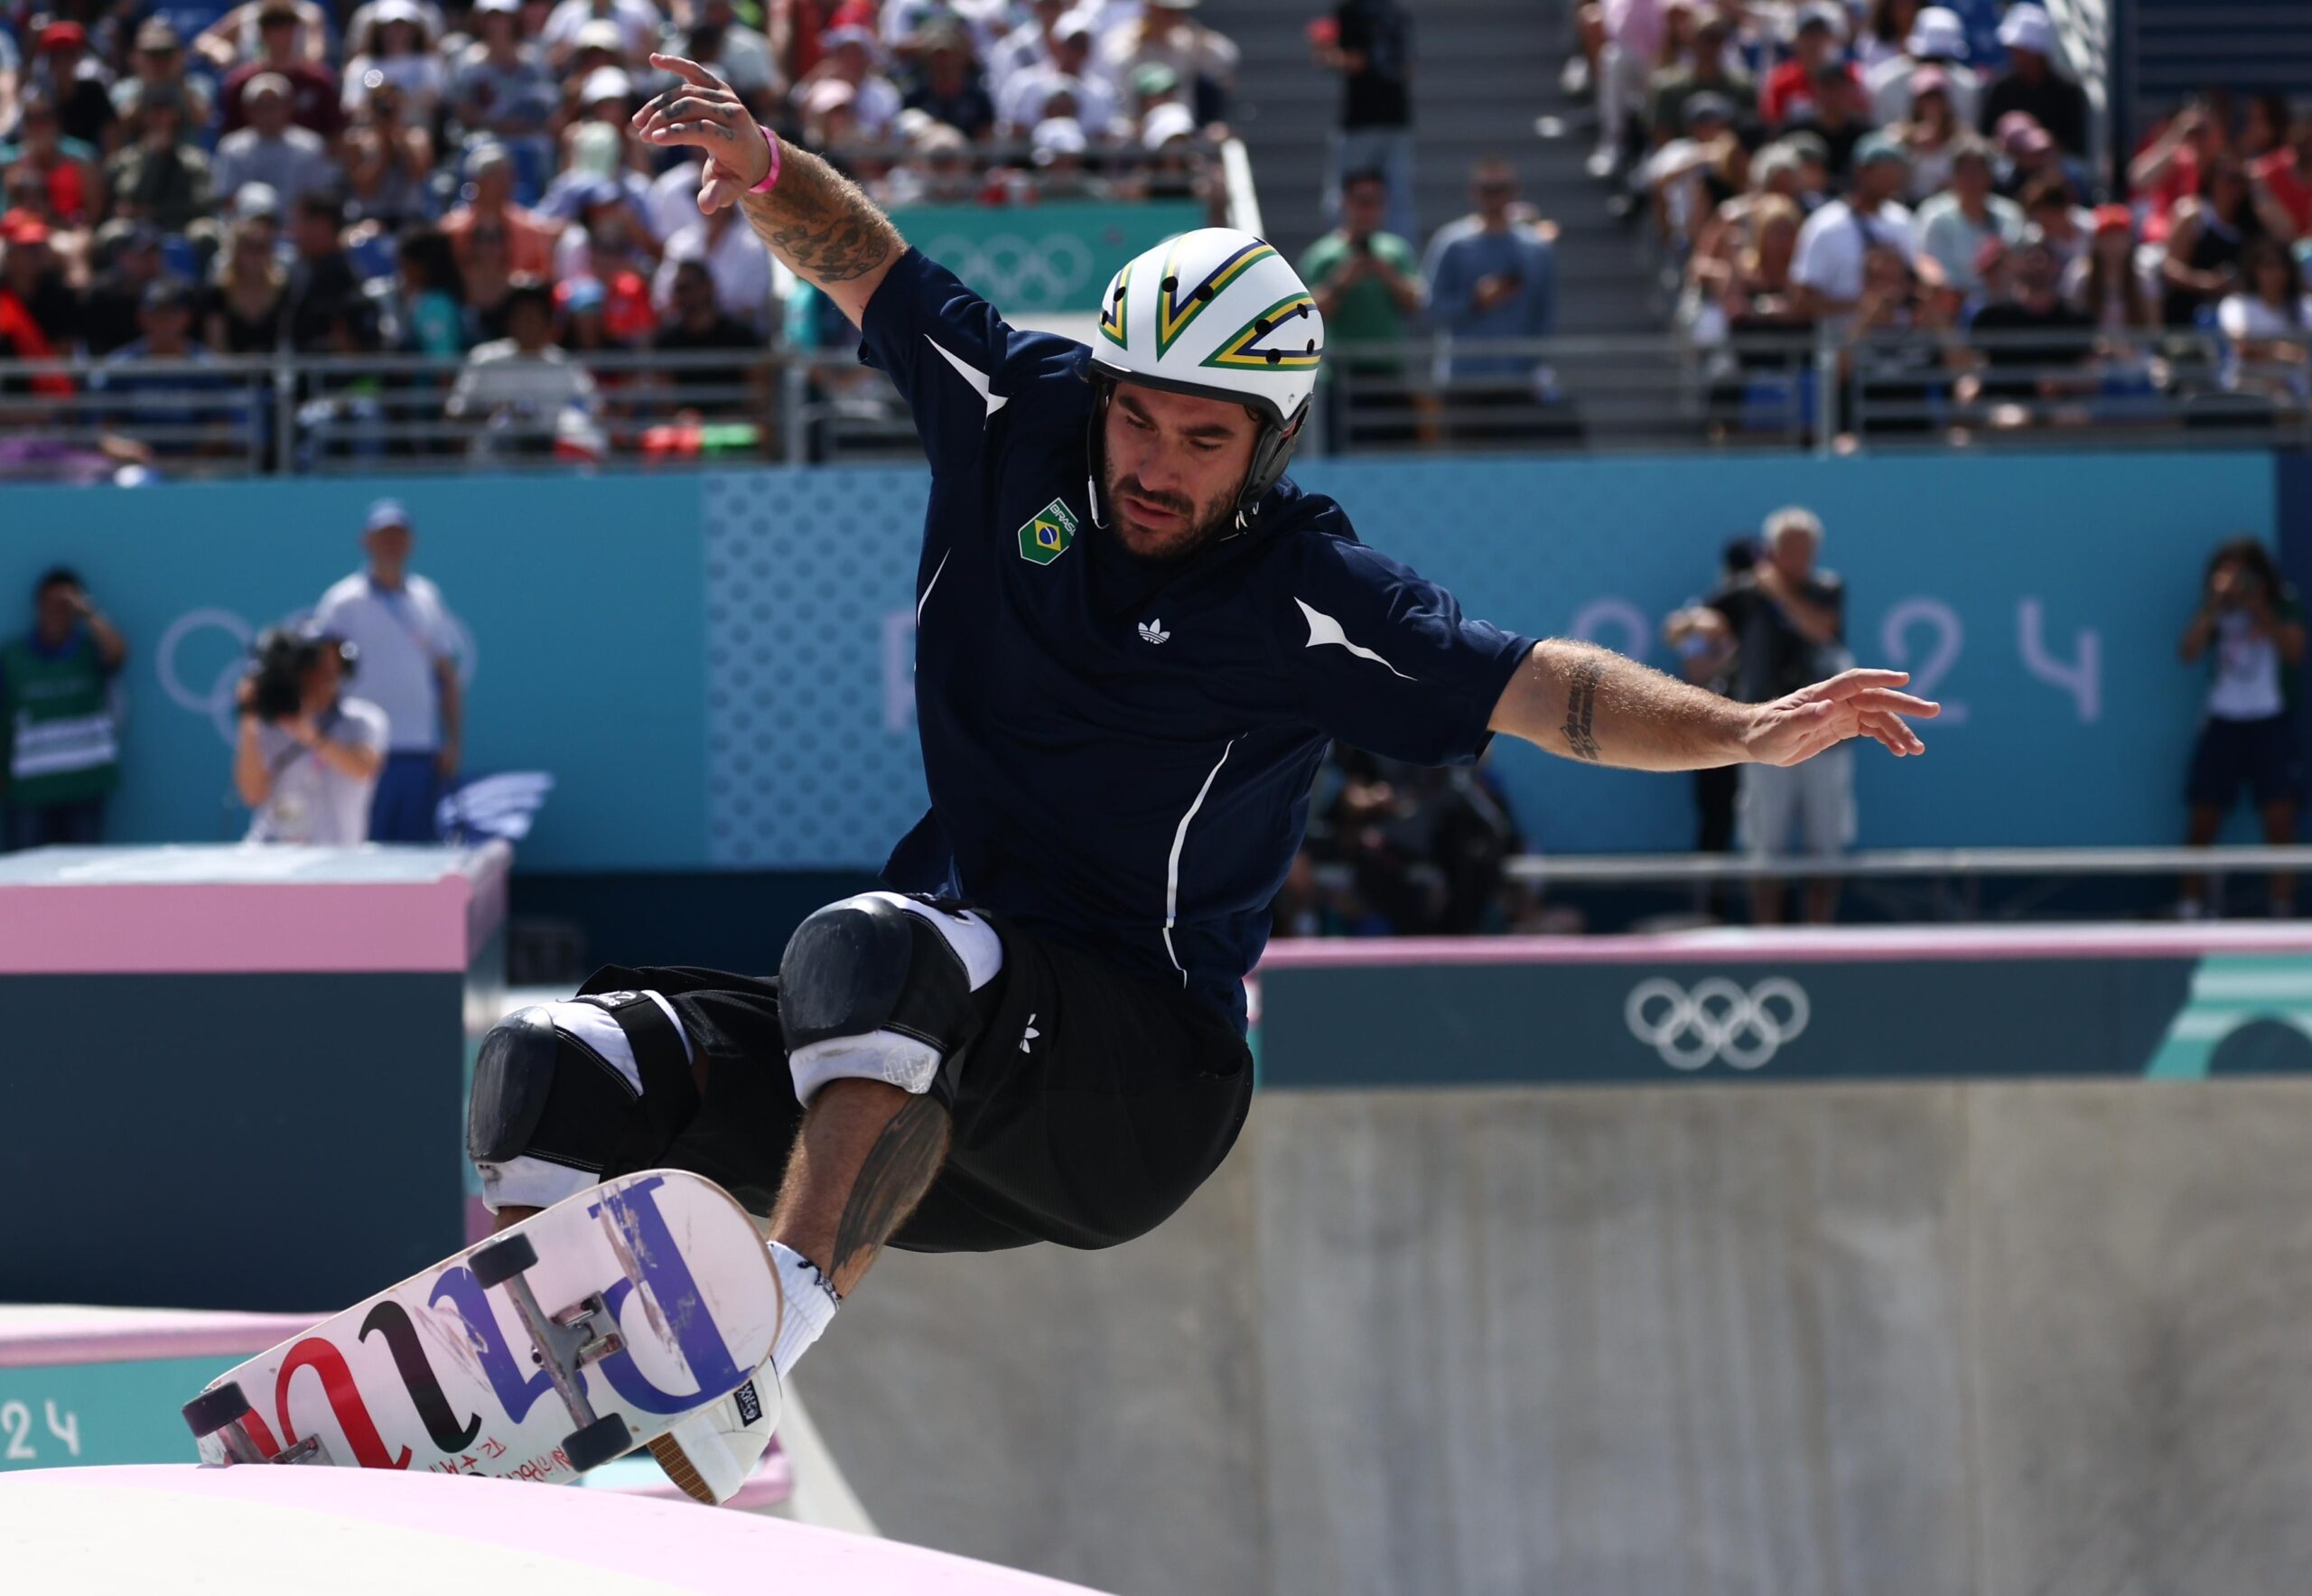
(499,1262)
(212,1411)
(598,1443)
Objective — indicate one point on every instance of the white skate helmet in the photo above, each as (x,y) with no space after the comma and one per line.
(1220,314)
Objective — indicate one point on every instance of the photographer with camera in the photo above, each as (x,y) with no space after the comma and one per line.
(2253,626)
(308,756)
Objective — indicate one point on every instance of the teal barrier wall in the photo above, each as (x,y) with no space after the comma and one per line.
(718,668)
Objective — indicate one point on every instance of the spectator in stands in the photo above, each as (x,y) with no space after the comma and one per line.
(272,149)
(695,324)
(1933,136)
(2031,83)
(1491,278)
(408,647)
(1709,655)
(605,239)
(2166,175)
(69,172)
(200,412)
(130,258)
(161,177)
(1884,32)
(2264,320)
(400,49)
(30,275)
(950,90)
(1787,617)
(1835,239)
(75,83)
(158,62)
(1057,149)
(637,22)
(501,94)
(2027,379)
(518,386)
(2249,627)
(1369,42)
(2051,205)
(1938,38)
(388,160)
(526,239)
(2106,284)
(1747,283)
(1835,124)
(874,104)
(1168,35)
(311,778)
(320,274)
(1815,47)
(241,311)
(1953,224)
(22,336)
(1704,70)
(489,280)
(1028,97)
(2283,178)
(739,55)
(425,312)
(736,263)
(309,84)
(1631,35)
(2207,241)
(238,37)
(1368,288)
(60,712)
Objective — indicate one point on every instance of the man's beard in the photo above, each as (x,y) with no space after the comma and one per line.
(1204,523)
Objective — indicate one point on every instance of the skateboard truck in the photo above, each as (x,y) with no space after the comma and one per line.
(224,1412)
(562,1343)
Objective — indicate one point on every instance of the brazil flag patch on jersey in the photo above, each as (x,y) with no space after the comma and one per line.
(1046,537)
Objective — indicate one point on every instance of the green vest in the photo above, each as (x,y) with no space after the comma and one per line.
(56,712)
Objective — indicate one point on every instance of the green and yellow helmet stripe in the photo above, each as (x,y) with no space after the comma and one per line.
(1176,309)
(1112,315)
(1245,352)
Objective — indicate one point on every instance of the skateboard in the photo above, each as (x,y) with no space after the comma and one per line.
(560,1343)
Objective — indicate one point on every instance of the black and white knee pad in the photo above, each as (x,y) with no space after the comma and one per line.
(884,987)
(565,1093)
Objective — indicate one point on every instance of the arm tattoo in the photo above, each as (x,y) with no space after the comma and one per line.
(1581,707)
(818,222)
(894,1176)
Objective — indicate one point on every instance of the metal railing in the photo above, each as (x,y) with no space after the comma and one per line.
(1755,393)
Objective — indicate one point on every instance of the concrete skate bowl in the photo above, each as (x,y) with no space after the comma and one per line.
(1974,1337)
(358,1532)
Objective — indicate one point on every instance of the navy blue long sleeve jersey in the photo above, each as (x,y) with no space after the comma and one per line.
(1119,751)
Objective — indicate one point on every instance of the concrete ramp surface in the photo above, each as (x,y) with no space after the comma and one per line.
(1876,1339)
(359,1532)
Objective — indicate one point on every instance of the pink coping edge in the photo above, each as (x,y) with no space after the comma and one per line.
(675,1543)
(250,927)
(110,1335)
(1797,946)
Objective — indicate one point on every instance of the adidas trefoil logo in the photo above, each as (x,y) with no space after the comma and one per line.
(1152,631)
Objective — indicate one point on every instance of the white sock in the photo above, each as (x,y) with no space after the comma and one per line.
(808,1306)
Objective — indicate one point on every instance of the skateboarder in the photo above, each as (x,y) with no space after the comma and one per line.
(1135,640)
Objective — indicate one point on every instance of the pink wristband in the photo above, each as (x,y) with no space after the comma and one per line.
(771,177)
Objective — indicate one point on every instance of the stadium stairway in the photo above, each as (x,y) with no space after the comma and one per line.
(1486,70)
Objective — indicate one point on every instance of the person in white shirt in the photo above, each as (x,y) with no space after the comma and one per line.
(734,257)
(639,25)
(1025,46)
(1938,37)
(309,777)
(407,648)
(520,385)
(1836,239)
(1027,97)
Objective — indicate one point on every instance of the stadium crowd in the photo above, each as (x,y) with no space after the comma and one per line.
(459,180)
(1930,198)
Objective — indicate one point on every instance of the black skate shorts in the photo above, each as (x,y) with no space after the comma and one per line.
(1090,1106)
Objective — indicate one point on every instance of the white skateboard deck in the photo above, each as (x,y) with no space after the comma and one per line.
(648,1297)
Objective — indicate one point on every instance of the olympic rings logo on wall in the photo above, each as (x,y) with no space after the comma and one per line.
(1718,1021)
(1051,271)
(215,698)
